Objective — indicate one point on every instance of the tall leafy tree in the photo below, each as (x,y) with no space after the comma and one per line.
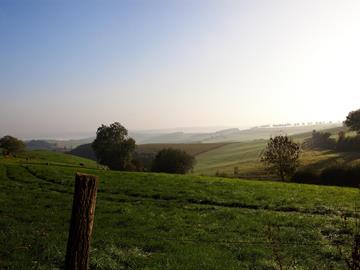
(353,121)
(281,156)
(113,147)
(11,145)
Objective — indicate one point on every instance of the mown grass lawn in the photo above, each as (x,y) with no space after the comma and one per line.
(160,221)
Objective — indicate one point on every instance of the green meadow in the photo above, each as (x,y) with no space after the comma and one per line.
(161,221)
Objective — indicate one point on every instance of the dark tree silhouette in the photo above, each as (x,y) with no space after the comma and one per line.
(173,161)
(11,145)
(281,156)
(113,147)
(353,121)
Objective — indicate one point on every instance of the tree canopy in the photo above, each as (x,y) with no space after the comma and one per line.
(11,145)
(113,147)
(173,161)
(281,156)
(353,121)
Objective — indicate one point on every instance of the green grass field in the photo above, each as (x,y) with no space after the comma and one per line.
(161,221)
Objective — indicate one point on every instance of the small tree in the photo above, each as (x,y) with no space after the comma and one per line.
(113,147)
(173,161)
(11,145)
(281,156)
(353,121)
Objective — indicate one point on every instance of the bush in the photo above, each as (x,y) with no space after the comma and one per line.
(320,140)
(336,175)
(306,176)
(11,145)
(173,161)
(348,144)
(341,175)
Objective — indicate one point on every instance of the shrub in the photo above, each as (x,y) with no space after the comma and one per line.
(173,161)
(306,176)
(11,145)
(320,140)
(335,175)
(341,175)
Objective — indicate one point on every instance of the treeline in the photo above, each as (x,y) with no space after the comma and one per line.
(324,141)
(335,175)
(114,148)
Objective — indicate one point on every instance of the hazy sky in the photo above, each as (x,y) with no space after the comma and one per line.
(68,66)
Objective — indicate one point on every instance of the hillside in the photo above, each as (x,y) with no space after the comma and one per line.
(160,221)
(193,149)
(246,157)
(181,137)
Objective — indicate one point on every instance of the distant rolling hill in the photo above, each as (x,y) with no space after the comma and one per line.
(194,149)
(246,157)
(222,150)
(221,136)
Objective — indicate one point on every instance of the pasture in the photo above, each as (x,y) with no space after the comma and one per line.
(161,221)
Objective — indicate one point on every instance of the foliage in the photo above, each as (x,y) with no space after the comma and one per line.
(323,140)
(333,175)
(171,160)
(353,121)
(348,144)
(113,147)
(320,140)
(11,145)
(281,156)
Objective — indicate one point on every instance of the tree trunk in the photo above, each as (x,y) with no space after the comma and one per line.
(81,224)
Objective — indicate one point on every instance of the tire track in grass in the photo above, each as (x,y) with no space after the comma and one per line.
(236,205)
(137,197)
(49,185)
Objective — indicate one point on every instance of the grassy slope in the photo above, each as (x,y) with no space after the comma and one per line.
(191,148)
(54,158)
(160,221)
(245,156)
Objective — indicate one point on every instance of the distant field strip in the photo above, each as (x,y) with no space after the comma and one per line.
(192,149)
(244,155)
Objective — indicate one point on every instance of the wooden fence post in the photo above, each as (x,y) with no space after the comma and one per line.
(81,224)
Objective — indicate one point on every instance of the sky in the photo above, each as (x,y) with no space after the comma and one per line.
(66,67)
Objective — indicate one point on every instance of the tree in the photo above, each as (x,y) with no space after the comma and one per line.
(281,156)
(320,140)
(11,145)
(113,147)
(173,161)
(353,121)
